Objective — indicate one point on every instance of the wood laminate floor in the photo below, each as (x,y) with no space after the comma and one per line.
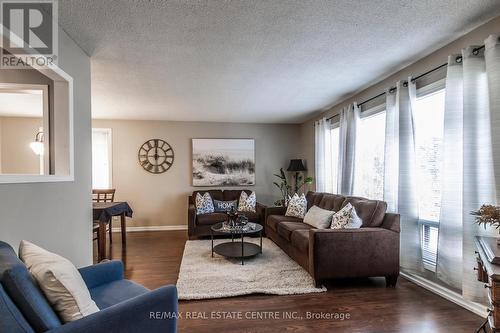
(153,259)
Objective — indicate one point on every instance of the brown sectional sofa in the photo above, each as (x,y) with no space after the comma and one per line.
(372,250)
(199,225)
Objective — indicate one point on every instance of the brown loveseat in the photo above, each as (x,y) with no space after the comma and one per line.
(372,250)
(199,225)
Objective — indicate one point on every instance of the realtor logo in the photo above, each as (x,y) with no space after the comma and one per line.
(29,30)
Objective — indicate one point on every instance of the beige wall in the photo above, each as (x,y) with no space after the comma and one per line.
(161,200)
(16,134)
(475,37)
(57,216)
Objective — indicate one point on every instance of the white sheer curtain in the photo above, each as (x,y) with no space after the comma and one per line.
(323,155)
(400,185)
(349,118)
(449,258)
(492,63)
(471,118)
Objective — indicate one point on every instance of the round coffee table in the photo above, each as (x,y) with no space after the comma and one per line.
(236,249)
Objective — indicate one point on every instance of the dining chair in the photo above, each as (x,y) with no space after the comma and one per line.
(103,195)
(95,235)
(106,195)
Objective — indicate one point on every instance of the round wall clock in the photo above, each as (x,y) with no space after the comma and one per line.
(156,156)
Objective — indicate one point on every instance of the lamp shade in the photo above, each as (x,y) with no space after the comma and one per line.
(296,165)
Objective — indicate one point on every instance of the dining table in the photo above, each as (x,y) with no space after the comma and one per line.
(103,213)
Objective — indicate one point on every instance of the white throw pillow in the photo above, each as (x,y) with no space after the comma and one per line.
(204,204)
(60,281)
(247,202)
(346,218)
(318,217)
(297,206)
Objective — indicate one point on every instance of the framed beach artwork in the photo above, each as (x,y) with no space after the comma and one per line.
(223,162)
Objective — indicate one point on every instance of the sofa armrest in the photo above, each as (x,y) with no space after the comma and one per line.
(274,211)
(346,253)
(153,312)
(191,217)
(102,273)
(261,211)
(391,222)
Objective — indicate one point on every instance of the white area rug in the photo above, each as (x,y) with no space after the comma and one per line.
(271,272)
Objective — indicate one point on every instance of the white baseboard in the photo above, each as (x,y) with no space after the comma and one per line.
(153,228)
(452,296)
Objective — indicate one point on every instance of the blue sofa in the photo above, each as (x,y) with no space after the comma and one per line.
(125,306)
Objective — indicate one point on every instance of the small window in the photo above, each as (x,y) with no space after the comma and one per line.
(370,152)
(101,158)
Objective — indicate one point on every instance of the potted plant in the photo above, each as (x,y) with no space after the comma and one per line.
(488,215)
(286,189)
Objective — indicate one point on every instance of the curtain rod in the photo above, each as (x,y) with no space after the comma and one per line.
(475,51)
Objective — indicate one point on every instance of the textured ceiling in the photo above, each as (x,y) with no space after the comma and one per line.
(252,61)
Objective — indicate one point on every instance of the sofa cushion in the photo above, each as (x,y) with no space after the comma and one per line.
(214,194)
(234,194)
(285,229)
(331,202)
(211,218)
(273,220)
(300,240)
(251,216)
(313,198)
(116,292)
(24,292)
(11,320)
(372,212)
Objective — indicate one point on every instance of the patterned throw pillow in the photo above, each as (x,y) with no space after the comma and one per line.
(225,206)
(297,206)
(247,202)
(346,218)
(204,204)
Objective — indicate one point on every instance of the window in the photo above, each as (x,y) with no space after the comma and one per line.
(335,137)
(101,158)
(429,243)
(370,152)
(429,127)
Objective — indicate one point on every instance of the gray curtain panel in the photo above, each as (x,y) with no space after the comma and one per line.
(470,140)
(349,119)
(323,155)
(400,183)
(478,175)
(449,258)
